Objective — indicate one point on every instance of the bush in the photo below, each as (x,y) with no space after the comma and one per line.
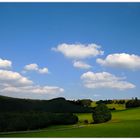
(101,114)
(84,102)
(86,121)
(113,108)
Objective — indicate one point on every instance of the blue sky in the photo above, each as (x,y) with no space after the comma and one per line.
(31,33)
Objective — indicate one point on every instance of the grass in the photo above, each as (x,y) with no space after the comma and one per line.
(84,116)
(124,123)
(116,106)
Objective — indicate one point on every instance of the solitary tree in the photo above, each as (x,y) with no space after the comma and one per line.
(101,114)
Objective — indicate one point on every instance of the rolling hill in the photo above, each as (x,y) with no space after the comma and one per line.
(57,105)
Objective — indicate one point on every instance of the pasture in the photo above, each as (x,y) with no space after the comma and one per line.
(124,123)
(113,105)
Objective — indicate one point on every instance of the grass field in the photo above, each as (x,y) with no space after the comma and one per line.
(84,116)
(116,106)
(125,123)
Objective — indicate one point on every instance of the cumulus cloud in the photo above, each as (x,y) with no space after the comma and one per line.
(43,70)
(31,67)
(34,89)
(121,60)
(5,63)
(11,78)
(35,67)
(13,82)
(105,80)
(81,65)
(79,51)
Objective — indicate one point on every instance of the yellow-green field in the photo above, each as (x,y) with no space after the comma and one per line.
(124,123)
(116,106)
(84,116)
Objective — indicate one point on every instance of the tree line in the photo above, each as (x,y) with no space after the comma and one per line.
(56,105)
(21,121)
(111,101)
(135,102)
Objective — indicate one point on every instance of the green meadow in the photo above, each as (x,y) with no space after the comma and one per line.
(113,105)
(124,123)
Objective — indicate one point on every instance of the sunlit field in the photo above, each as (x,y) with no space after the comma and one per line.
(124,123)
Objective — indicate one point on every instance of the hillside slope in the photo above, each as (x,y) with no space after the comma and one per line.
(124,124)
(57,105)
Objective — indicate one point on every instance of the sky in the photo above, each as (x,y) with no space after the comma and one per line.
(71,50)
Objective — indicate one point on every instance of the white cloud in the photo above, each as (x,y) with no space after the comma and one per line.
(5,64)
(43,70)
(121,60)
(13,82)
(79,51)
(11,78)
(31,67)
(105,80)
(34,89)
(35,67)
(81,65)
